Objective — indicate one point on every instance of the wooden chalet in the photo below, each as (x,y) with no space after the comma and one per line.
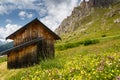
(32,43)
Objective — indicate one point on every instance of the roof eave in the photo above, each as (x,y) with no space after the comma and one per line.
(55,35)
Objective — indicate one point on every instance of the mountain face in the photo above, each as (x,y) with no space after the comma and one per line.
(2,42)
(101,3)
(6,46)
(97,13)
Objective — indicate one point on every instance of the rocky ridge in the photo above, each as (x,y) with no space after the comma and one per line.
(84,9)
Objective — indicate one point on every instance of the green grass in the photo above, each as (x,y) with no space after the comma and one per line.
(94,25)
(63,46)
(85,42)
(99,61)
(3,59)
(77,62)
(94,62)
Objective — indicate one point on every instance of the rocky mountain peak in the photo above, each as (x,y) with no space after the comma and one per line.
(85,8)
(101,3)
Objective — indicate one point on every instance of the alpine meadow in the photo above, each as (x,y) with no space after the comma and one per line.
(89,48)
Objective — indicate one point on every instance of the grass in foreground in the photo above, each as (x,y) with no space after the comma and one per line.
(5,73)
(94,62)
(3,59)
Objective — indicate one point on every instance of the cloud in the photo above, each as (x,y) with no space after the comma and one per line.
(85,0)
(23,15)
(50,22)
(7,30)
(8,21)
(2,10)
(58,10)
(6,6)
(29,15)
(51,12)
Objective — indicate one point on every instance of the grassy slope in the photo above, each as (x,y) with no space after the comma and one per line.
(5,73)
(99,61)
(2,59)
(98,23)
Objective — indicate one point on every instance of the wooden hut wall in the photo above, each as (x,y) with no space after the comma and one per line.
(12,59)
(28,34)
(19,38)
(42,32)
(45,49)
(22,57)
(47,46)
(32,31)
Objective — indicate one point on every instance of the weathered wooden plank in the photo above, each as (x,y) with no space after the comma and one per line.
(24,57)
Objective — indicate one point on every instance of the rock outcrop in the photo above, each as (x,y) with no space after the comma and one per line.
(68,24)
(84,9)
(101,3)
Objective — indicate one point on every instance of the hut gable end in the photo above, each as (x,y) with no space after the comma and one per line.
(34,23)
(32,43)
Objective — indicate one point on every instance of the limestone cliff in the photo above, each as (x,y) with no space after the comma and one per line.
(84,9)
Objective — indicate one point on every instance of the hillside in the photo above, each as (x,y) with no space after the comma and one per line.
(100,61)
(2,42)
(88,21)
(89,49)
(6,46)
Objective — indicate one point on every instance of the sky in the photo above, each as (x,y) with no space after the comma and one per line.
(16,13)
